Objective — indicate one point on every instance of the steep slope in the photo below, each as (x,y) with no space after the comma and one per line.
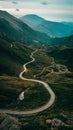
(53,29)
(12,57)
(16,30)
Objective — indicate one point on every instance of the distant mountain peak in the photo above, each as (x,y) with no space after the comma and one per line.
(16,30)
(33,16)
(51,28)
(32,19)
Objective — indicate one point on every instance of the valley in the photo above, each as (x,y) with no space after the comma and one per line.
(36,73)
(46,86)
(49,70)
(52,29)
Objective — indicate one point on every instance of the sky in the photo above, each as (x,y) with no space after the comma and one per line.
(52,10)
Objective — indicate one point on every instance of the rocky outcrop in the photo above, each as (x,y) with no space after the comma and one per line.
(10,123)
(56,123)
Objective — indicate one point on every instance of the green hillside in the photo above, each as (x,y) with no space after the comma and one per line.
(16,30)
(63,41)
(63,55)
(12,57)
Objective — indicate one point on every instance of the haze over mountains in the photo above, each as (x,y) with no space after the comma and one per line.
(68,41)
(13,30)
(52,29)
(53,64)
(35,30)
(68,23)
(16,30)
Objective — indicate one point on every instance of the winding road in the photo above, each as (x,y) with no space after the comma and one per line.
(45,85)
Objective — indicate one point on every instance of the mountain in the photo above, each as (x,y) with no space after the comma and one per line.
(62,55)
(62,51)
(66,41)
(68,23)
(12,56)
(52,29)
(16,30)
(32,20)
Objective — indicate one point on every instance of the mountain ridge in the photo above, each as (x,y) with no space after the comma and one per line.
(16,30)
(51,28)
(31,21)
(68,41)
(12,56)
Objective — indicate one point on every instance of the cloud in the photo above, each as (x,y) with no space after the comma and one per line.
(17,10)
(14,2)
(44,3)
(58,9)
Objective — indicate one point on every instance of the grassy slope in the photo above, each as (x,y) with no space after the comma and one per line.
(63,56)
(63,41)
(64,95)
(10,88)
(63,90)
(61,83)
(12,58)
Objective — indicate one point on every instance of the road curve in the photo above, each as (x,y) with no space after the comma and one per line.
(45,85)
